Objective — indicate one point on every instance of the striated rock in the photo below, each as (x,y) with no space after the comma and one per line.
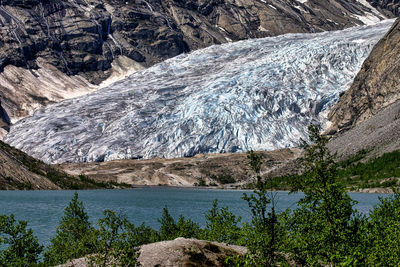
(84,37)
(375,87)
(15,172)
(389,7)
(24,91)
(64,33)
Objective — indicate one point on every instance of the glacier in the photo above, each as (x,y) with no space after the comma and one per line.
(258,94)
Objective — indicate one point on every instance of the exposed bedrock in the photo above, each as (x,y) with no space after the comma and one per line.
(375,87)
(83,37)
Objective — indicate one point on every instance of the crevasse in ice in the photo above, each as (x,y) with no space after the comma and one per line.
(256,94)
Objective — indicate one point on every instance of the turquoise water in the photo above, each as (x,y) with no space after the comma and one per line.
(43,209)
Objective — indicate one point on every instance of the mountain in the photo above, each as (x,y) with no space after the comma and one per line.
(53,50)
(375,87)
(15,174)
(257,94)
(84,37)
(22,172)
(367,116)
(388,7)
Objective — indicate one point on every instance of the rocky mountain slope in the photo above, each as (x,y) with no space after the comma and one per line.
(15,174)
(388,7)
(52,50)
(377,135)
(79,36)
(258,94)
(22,172)
(5,122)
(375,87)
(367,116)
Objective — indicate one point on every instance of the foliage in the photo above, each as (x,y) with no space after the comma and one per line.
(75,235)
(142,234)
(116,246)
(383,233)
(224,178)
(170,229)
(325,221)
(246,260)
(265,235)
(355,172)
(222,225)
(19,246)
(201,182)
(376,172)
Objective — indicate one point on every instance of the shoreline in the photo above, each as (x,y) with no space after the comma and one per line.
(215,188)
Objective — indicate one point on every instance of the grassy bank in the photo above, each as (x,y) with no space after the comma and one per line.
(355,173)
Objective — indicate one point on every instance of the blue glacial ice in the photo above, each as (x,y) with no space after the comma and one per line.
(258,94)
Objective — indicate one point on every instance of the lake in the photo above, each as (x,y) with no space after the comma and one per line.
(43,209)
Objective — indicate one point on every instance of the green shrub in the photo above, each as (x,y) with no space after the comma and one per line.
(75,235)
(265,235)
(324,227)
(116,247)
(222,225)
(170,229)
(383,233)
(18,245)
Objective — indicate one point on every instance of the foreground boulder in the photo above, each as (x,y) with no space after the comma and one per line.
(179,252)
(187,252)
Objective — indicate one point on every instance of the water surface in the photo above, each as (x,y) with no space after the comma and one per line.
(43,209)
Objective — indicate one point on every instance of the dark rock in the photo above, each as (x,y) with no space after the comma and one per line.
(389,7)
(69,33)
(5,121)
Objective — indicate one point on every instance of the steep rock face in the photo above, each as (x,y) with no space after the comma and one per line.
(4,119)
(377,135)
(79,36)
(376,86)
(70,35)
(23,90)
(389,7)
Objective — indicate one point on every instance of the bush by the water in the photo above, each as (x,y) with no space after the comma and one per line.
(325,229)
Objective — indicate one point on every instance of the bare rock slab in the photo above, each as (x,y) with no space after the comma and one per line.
(179,252)
(187,252)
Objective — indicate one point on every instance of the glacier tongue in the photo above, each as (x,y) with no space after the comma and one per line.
(257,94)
